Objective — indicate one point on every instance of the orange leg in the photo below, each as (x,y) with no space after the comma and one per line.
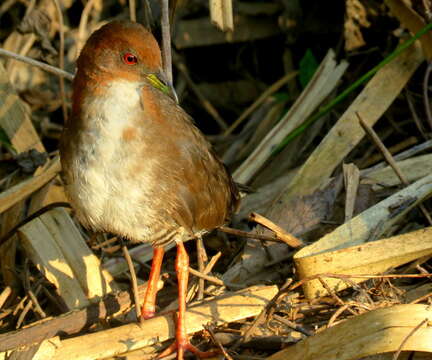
(182,341)
(149,306)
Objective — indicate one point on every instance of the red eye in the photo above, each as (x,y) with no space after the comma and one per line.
(130,59)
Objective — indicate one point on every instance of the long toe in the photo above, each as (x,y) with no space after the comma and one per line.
(180,348)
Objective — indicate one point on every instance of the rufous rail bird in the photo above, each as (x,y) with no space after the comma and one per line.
(134,164)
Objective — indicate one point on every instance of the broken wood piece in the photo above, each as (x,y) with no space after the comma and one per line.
(56,247)
(20,191)
(221,14)
(6,292)
(373,222)
(112,342)
(134,282)
(15,118)
(411,20)
(372,258)
(351,179)
(376,332)
(287,238)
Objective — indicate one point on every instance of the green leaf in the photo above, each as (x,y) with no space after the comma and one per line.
(307,68)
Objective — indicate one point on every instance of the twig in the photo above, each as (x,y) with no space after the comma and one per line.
(336,314)
(426,94)
(82,26)
(411,333)
(217,342)
(37,307)
(23,50)
(193,289)
(201,275)
(263,314)
(132,10)
(133,282)
(292,325)
(269,91)
(105,243)
(60,306)
(251,235)
(5,295)
(202,259)
(389,158)
(24,313)
(20,305)
(333,295)
(415,116)
(166,41)
(39,64)
(287,238)
(61,59)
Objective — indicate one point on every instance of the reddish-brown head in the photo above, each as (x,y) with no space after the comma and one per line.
(120,49)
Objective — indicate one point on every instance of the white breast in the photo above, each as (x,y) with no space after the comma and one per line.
(98,189)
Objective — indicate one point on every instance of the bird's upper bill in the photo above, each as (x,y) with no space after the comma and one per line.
(120,49)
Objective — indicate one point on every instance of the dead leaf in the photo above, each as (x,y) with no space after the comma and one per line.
(412,21)
(355,18)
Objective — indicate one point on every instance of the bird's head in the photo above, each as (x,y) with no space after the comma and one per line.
(123,50)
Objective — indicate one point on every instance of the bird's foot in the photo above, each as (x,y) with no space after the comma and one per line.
(147,314)
(181,347)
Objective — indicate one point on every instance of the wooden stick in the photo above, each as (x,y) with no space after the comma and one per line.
(287,238)
(134,282)
(132,10)
(82,26)
(166,41)
(61,58)
(203,276)
(249,234)
(126,338)
(4,295)
(39,64)
(69,323)
(202,259)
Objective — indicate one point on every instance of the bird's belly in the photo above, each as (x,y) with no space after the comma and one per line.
(110,184)
(108,199)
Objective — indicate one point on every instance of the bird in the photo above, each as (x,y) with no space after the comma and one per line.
(133,162)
